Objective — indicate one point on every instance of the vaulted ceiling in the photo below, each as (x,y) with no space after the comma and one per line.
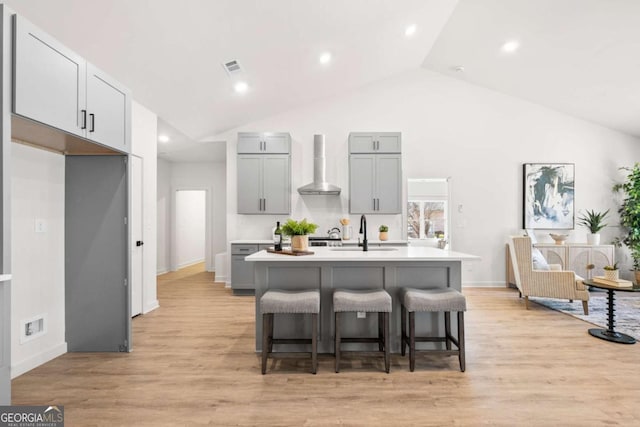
(581,57)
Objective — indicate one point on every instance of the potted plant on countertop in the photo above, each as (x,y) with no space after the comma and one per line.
(630,215)
(611,272)
(299,232)
(384,232)
(594,221)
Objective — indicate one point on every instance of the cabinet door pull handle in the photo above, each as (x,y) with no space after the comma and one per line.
(93,122)
(84,119)
(264,204)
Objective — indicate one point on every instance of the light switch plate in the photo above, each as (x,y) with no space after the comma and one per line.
(40,226)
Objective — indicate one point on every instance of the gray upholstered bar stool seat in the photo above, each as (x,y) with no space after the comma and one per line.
(432,300)
(369,301)
(289,302)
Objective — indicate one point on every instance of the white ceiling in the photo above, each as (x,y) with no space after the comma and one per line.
(581,57)
(181,148)
(577,56)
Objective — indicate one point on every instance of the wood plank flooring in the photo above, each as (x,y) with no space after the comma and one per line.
(193,364)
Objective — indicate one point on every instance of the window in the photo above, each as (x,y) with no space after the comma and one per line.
(427,209)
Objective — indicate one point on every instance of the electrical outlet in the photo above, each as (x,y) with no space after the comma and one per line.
(361,314)
(40,226)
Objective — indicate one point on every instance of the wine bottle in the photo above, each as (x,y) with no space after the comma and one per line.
(277,237)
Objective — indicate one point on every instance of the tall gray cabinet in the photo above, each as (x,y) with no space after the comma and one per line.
(375,173)
(264,173)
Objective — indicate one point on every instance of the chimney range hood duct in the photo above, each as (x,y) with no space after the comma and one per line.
(319,186)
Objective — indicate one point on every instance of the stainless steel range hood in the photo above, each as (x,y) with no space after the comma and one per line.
(319,186)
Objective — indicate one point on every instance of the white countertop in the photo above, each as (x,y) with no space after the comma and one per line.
(252,242)
(5,277)
(344,242)
(418,253)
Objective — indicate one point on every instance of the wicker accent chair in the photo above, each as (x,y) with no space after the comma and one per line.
(542,283)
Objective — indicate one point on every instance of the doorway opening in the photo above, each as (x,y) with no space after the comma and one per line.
(191,228)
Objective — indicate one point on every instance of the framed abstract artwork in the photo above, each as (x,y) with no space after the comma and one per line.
(548,196)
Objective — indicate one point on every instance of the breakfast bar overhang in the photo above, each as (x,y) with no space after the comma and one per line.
(350,268)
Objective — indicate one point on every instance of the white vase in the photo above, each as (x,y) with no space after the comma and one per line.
(611,274)
(593,239)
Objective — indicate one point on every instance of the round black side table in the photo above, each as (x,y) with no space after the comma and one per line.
(610,334)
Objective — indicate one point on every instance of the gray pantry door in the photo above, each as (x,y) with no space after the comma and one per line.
(96,254)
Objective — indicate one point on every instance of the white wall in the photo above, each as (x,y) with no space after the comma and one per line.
(164,217)
(190,226)
(209,176)
(478,137)
(37,187)
(144,143)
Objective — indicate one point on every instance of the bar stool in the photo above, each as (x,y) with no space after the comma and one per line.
(369,301)
(432,300)
(289,302)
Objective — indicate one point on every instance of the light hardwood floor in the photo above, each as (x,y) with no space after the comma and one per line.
(193,364)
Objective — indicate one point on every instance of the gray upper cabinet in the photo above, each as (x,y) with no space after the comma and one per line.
(109,107)
(48,79)
(264,180)
(55,86)
(374,142)
(264,143)
(375,177)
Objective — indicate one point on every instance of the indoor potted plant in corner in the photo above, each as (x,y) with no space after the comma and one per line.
(611,272)
(630,215)
(384,232)
(594,221)
(299,232)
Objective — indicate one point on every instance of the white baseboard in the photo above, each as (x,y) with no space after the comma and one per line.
(150,306)
(189,263)
(227,283)
(221,279)
(161,271)
(37,360)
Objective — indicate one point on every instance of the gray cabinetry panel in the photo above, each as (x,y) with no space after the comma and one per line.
(108,106)
(48,79)
(264,143)
(276,184)
(242,272)
(96,254)
(388,184)
(375,173)
(249,185)
(361,183)
(374,142)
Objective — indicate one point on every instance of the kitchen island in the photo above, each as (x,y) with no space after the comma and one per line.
(388,268)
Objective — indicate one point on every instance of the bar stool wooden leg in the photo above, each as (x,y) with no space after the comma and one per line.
(403,329)
(461,340)
(265,342)
(387,355)
(447,329)
(337,345)
(271,322)
(412,340)
(314,343)
(380,331)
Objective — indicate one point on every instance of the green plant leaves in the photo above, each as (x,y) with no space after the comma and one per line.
(630,213)
(593,220)
(295,228)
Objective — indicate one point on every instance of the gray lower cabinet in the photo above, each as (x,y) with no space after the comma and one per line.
(264,184)
(55,86)
(242,272)
(375,183)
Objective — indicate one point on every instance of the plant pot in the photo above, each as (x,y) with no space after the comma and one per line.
(300,243)
(637,274)
(384,235)
(611,274)
(593,239)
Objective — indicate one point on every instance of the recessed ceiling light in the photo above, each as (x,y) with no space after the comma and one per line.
(410,30)
(325,58)
(241,87)
(163,138)
(510,46)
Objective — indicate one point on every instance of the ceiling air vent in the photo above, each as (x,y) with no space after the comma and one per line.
(232,67)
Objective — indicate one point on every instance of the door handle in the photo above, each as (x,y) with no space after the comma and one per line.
(139,243)
(93,122)
(84,119)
